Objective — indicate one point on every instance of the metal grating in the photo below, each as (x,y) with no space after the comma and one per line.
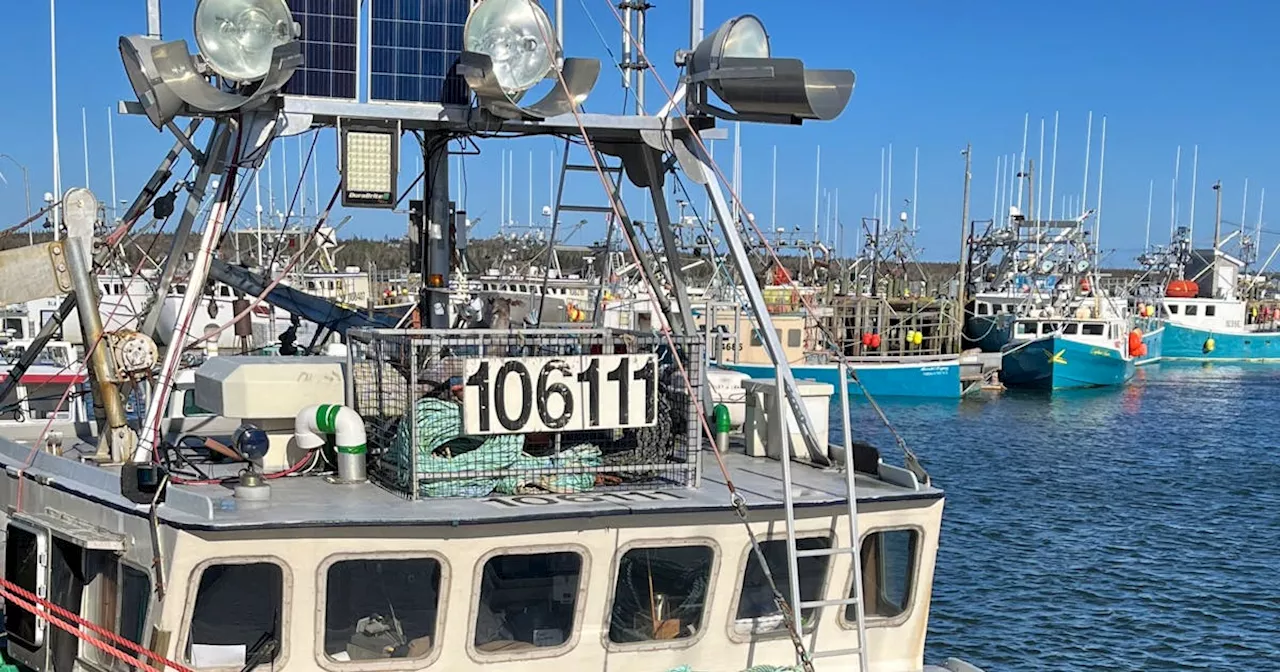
(414,46)
(414,388)
(329,47)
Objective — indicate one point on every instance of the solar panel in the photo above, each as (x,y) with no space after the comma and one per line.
(414,47)
(329,29)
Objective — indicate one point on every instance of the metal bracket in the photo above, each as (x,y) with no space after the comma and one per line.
(33,272)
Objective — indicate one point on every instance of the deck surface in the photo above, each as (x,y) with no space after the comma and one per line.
(312,501)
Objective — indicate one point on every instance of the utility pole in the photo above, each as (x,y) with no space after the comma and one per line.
(963,276)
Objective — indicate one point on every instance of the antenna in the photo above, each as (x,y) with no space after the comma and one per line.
(1151,195)
(1088,145)
(111,149)
(888,194)
(880,194)
(1053,170)
(84,134)
(1039,186)
(995,196)
(1173,197)
(53,95)
(1244,207)
(1195,171)
(915,193)
(1097,215)
(773,213)
(817,181)
(502,198)
(1022,158)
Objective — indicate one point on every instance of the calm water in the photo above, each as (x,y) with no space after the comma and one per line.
(1130,529)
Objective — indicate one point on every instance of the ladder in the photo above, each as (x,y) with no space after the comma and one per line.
(614,175)
(795,553)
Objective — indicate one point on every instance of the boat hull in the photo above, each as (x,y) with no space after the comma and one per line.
(1189,343)
(1153,338)
(1056,363)
(990,333)
(933,380)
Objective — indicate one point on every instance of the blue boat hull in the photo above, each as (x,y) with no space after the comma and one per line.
(1153,338)
(935,380)
(988,332)
(1055,363)
(1189,343)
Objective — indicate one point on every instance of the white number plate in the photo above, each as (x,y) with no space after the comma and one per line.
(522,395)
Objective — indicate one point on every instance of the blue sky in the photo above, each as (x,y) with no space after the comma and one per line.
(930,75)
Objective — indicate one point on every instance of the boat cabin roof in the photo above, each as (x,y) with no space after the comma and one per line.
(312,501)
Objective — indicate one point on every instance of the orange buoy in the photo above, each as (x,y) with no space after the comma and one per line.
(875,340)
(1182,289)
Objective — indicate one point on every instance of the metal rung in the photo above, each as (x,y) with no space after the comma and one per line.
(605,209)
(837,652)
(844,601)
(823,552)
(592,168)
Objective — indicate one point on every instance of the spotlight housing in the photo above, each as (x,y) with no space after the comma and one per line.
(509,47)
(250,44)
(236,37)
(736,62)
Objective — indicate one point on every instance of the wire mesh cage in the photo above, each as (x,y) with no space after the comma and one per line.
(470,413)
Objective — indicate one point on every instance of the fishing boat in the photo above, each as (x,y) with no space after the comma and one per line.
(1206,321)
(1049,353)
(464,499)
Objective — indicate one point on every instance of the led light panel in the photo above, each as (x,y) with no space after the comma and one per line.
(369,167)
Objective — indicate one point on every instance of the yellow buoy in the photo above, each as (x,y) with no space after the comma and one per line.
(917,337)
(1208,344)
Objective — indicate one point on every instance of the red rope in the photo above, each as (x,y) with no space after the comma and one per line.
(15,594)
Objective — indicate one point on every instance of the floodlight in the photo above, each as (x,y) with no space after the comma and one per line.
(236,37)
(250,43)
(736,62)
(369,153)
(508,47)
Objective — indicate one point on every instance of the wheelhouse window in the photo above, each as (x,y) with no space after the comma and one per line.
(1210,311)
(757,612)
(117,598)
(1093,328)
(527,601)
(661,594)
(23,553)
(1173,308)
(793,338)
(1024,328)
(983,309)
(189,406)
(1071,328)
(381,608)
(236,621)
(888,574)
(1192,309)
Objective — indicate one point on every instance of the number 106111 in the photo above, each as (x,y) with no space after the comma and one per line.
(519,395)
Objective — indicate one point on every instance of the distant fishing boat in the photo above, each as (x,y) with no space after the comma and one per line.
(1200,327)
(1071,353)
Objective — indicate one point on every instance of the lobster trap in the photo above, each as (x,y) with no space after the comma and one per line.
(470,413)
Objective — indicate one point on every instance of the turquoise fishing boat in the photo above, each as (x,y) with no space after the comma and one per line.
(1065,354)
